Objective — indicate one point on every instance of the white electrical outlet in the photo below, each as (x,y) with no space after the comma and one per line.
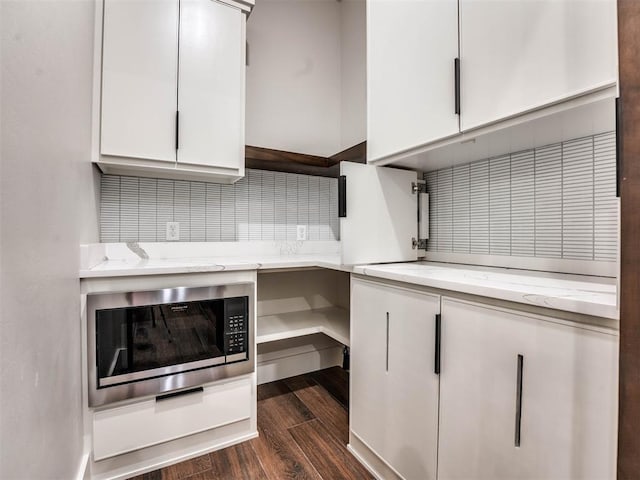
(301,232)
(173,231)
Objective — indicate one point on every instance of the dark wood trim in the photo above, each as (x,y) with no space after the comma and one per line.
(281,161)
(629,135)
(270,155)
(357,153)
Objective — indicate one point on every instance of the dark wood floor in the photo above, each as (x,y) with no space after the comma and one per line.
(304,428)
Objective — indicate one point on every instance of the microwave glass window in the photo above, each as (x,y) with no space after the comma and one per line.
(135,339)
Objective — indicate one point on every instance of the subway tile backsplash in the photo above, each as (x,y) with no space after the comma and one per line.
(557,201)
(261,206)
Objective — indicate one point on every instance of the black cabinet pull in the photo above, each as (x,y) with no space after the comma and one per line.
(342,196)
(436,365)
(177,127)
(456,73)
(167,396)
(387,358)
(618,145)
(519,400)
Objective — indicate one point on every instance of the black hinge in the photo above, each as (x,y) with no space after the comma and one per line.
(436,368)
(420,243)
(342,196)
(177,127)
(456,73)
(618,145)
(418,187)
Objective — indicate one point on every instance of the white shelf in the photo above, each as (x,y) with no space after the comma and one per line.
(332,321)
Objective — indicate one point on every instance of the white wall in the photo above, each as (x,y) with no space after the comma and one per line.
(297,96)
(353,75)
(47,207)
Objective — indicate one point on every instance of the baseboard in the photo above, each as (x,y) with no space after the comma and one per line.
(298,364)
(370,460)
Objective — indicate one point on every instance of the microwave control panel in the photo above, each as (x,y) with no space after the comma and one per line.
(236,325)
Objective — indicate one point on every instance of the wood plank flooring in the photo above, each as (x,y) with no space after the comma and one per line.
(304,428)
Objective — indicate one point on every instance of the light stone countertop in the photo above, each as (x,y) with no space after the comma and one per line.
(122,259)
(594,296)
(160,266)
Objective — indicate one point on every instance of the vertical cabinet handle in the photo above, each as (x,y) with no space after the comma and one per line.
(436,364)
(387,355)
(177,127)
(618,145)
(342,197)
(519,400)
(456,74)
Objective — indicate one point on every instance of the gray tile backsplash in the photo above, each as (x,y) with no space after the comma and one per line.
(557,201)
(261,206)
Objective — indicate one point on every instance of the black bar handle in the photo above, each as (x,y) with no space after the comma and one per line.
(166,396)
(177,127)
(519,400)
(387,359)
(456,73)
(342,196)
(618,145)
(438,349)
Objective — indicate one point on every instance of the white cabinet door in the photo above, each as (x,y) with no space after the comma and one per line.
(568,397)
(411,47)
(520,55)
(478,393)
(369,396)
(394,396)
(381,215)
(211,86)
(139,79)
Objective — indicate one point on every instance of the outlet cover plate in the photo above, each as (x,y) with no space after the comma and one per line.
(301,232)
(173,231)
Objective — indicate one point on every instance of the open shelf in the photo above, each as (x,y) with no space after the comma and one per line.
(332,321)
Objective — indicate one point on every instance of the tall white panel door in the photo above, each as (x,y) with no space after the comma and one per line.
(411,47)
(369,397)
(139,79)
(212,84)
(381,215)
(411,436)
(478,394)
(394,389)
(568,407)
(570,402)
(520,55)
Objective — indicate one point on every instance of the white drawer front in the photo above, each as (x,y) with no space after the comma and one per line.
(131,427)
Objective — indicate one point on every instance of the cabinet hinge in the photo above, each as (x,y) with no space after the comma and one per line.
(420,244)
(419,187)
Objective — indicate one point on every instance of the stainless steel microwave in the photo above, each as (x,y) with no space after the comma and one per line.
(153,342)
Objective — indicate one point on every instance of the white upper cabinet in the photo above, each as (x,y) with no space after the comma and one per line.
(379,219)
(211,86)
(173,88)
(411,47)
(517,56)
(140,79)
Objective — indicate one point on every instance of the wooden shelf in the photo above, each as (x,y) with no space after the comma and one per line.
(332,321)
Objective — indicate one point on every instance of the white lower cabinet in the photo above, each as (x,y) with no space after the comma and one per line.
(568,404)
(142,424)
(519,395)
(394,390)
